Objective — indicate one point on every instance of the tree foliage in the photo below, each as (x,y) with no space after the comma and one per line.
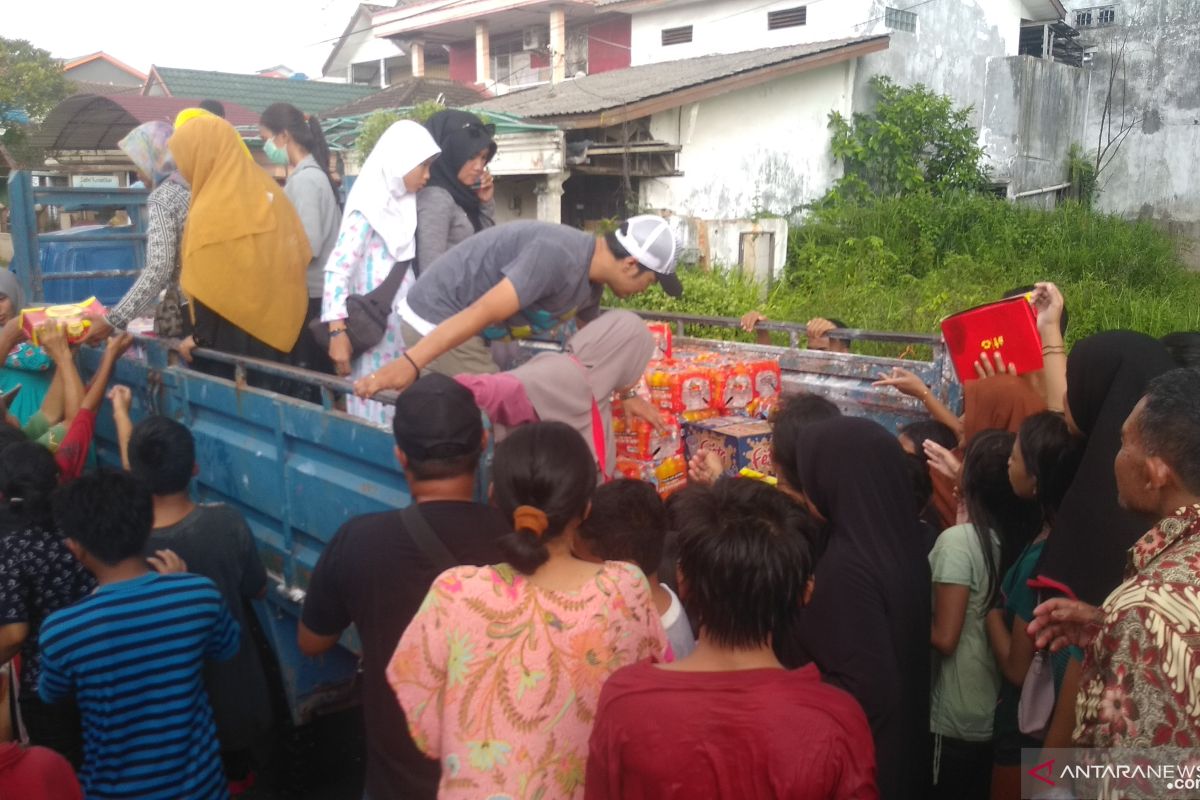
(374,125)
(915,140)
(31,83)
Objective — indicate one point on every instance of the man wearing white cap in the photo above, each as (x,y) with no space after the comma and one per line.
(516,280)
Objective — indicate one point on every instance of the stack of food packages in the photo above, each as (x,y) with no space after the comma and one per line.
(696,387)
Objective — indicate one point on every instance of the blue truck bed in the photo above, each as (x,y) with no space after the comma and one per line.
(298,470)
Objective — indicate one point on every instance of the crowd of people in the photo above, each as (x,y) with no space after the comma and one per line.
(901,617)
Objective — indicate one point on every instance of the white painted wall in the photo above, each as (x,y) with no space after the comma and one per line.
(730,26)
(763,149)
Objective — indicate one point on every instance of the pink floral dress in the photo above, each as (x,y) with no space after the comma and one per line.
(500,679)
(359,263)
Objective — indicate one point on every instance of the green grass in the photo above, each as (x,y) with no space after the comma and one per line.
(905,264)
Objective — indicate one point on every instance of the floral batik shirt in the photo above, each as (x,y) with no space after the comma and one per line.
(1139,686)
(500,678)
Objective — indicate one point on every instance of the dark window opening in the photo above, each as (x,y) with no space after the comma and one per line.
(787,18)
(681,35)
(900,20)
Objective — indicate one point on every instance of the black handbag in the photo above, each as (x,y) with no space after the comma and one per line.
(366,314)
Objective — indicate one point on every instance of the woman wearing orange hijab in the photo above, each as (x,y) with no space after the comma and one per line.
(244,250)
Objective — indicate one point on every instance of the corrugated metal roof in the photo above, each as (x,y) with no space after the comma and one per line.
(609,90)
(95,122)
(410,92)
(256,92)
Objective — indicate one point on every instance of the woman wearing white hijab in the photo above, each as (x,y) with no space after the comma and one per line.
(378,232)
(576,386)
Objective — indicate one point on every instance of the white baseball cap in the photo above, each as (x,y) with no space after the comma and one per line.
(648,238)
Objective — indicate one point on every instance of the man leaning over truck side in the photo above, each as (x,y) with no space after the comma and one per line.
(516,280)
(378,568)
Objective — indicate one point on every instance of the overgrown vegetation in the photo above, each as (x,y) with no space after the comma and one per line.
(903,240)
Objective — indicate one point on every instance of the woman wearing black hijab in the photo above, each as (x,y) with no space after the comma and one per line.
(1106,376)
(867,627)
(459,200)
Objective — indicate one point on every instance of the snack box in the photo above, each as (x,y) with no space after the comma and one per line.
(663,340)
(75,316)
(667,476)
(1009,326)
(638,439)
(741,383)
(741,443)
(680,387)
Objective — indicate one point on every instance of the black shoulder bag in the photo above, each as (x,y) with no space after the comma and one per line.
(366,314)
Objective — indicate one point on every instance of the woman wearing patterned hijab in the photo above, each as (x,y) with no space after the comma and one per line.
(166,213)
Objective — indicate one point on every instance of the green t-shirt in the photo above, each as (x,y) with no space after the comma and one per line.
(967,682)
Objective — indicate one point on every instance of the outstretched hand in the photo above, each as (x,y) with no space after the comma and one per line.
(397,375)
(942,460)
(1060,623)
(705,468)
(990,367)
(641,408)
(903,381)
(1048,302)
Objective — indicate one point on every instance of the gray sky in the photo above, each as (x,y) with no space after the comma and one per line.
(230,35)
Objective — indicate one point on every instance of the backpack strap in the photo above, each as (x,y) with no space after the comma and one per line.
(425,539)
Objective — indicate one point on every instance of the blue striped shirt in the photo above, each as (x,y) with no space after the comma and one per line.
(132,654)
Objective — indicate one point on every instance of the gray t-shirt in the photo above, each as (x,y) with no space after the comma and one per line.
(547,263)
(309,190)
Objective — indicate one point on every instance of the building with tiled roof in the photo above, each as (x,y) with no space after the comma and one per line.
(411,92)
(252,91)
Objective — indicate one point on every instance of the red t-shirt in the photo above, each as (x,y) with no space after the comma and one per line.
(72,453)
(36,773)
(765,733)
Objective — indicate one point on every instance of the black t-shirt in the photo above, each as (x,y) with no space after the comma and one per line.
(216,542)
(373,575)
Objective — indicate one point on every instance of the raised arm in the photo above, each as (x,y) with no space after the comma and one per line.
(908,383)
(1048,301)
(117,346)
(65,396)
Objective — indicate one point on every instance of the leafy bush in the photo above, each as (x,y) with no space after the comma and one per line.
(915,140)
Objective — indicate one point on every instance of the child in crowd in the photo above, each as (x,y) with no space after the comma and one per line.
(214,541)
(628,522)
(967,563)
(131,653)
(500,671)
(729,721)
(38,575)
(1044,459)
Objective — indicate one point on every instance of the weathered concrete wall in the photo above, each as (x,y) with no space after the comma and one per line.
(1033,111)
(759,150)
(1156,173)
(948,53)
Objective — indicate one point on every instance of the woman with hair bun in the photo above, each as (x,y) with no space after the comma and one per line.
(500,672)
(294,139)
